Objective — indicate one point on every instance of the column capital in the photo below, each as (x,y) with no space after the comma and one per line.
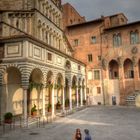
(25,86)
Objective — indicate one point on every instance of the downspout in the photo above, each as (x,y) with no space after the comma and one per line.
(102,82)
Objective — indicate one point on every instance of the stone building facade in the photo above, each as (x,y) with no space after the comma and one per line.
(36,61)
(109,46)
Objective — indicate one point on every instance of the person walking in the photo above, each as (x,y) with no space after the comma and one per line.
(87,135)
(78,135)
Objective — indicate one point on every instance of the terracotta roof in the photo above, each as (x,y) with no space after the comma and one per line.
(124,25)
(85,23)
(117,15)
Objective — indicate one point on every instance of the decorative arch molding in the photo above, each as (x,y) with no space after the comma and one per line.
(4,68)
(25,70)
(60,75)
(127,59)
(37,67)
(50,75)
(74,78)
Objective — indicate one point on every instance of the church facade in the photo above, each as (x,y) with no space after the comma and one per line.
(37,67)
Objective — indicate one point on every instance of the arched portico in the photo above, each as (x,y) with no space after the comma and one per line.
(48,95)
(74,90)
(79,91)
(34,96)
(67,96)
(84,91)
(59,87)
(12,93)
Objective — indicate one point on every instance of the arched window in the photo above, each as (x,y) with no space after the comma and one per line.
(117,41)
(128,69)
(113,69)
(134,37)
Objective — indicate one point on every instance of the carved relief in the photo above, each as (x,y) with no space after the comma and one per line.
(134,50)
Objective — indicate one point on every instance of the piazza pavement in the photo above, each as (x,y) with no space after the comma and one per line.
(103,122)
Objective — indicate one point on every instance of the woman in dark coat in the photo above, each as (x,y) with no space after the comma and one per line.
(78,135)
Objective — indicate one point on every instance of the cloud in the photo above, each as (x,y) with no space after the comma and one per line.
(92,9)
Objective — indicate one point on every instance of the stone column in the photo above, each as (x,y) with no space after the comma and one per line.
(25,105)
(77,96)
(43,103)
(63,98)
(54,42)
(48,38)
(25,23)
(85,92)
(122,85)
(81,93)
(29,22)
(51,40)
(70,97)
(53,107)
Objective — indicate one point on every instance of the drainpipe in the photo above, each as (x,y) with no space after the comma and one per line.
(102,82)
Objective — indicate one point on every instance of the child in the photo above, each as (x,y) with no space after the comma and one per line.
(87,135)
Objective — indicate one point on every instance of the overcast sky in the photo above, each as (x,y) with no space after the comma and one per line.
(93,9)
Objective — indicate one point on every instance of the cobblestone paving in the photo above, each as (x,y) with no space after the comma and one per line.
(104,123)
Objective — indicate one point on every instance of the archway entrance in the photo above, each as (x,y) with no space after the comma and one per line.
(48,95)
(59,91)
(128,69)
(13,92)
(79,92)
(34,97)
(74,88)
(113,69)
(67,100)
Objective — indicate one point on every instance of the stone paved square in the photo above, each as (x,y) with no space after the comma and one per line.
(104,123)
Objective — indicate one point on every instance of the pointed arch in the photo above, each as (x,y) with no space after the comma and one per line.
(113,69)
(128,69)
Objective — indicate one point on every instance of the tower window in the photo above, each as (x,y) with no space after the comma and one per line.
(89,57)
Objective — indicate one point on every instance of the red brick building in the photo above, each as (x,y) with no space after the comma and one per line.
(71,16)
(109,46)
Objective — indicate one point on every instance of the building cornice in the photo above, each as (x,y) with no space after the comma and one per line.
(39,43)
(33,12)
(122,26)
